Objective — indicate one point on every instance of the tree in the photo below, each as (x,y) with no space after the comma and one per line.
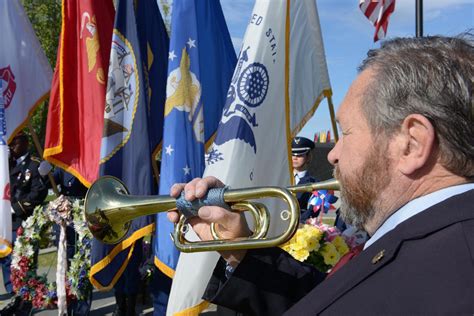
(45,17)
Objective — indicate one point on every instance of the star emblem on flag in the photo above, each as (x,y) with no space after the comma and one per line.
(169,150)
(172,55)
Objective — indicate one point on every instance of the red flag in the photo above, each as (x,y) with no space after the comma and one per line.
(76,107)
(328,137)
(378,12)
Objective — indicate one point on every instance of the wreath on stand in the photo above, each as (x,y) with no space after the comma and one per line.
(36,288)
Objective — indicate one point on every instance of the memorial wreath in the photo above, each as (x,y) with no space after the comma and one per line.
(33,232)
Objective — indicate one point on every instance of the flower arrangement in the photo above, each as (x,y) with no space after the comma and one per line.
(36,288)
(317,244)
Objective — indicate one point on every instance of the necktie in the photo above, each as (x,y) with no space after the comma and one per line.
(346,258)
(297,178)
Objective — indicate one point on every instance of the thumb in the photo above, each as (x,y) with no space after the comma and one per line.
(231,224)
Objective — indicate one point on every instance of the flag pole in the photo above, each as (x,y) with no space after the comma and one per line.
(333,118)
(156,172)
(40,152)
(419,18)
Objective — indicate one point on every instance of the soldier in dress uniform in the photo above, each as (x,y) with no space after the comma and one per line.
(27,190)
(301,156)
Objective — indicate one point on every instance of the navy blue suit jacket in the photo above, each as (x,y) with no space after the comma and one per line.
(303,198)
(425,266)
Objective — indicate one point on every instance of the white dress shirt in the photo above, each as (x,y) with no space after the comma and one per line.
(417,206)
(299,175)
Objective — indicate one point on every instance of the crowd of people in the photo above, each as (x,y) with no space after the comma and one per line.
(405,164)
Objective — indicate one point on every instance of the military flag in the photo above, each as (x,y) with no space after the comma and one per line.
(280,78)
(76,107)
(125,147)
(154,44)
(201,60)
(25,81)
(5,206)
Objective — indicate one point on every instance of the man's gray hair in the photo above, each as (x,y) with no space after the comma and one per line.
(432,76)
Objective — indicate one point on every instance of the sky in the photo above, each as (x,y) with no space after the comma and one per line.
(348,35)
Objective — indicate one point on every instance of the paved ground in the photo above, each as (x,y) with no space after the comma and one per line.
(103,303)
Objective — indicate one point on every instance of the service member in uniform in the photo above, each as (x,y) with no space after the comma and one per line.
(301,156)
(27,190)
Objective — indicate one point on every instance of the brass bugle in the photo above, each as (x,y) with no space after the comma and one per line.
(109,211)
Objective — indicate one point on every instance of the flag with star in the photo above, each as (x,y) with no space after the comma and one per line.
(201,61)
(280,78)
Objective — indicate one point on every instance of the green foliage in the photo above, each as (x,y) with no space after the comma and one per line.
(45,17)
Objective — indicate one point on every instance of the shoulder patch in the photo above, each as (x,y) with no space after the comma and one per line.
(35,159)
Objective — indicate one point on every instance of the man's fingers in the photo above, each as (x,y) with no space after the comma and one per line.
(176,189)
(205,184)
(173,216)
(190,189)
(231,224)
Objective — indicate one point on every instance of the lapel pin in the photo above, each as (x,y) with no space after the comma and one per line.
(378,256)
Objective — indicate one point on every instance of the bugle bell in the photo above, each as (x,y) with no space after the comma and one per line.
(109,210)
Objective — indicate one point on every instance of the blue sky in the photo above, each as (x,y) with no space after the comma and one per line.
(348,35)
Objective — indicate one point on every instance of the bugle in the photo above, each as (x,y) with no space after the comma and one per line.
(109,210)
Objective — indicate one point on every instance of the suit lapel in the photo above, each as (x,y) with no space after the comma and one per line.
(384,250)
(351,274)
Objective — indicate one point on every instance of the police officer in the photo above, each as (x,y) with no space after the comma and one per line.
(27,190)
(301,156)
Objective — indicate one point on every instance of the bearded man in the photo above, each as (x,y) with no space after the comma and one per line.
(406,168)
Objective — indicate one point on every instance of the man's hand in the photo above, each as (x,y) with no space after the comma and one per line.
(229,224)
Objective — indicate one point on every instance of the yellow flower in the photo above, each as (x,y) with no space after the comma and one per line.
(286,246)
(340,245)
(305,240)
(300,254)
(330,254)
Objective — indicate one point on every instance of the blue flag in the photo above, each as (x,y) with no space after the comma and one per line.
(128,138)
(154,45)
(201,62)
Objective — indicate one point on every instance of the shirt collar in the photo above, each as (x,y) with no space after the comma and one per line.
(415,207)
(301,174)
(21,159)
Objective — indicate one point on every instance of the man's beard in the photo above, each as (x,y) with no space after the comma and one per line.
(361,190)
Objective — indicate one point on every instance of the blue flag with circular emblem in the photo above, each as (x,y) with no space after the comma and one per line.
(132,106)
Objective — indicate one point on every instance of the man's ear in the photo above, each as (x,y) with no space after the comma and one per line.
(417,139)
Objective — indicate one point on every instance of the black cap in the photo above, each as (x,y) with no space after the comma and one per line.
(301,146)
(20,135)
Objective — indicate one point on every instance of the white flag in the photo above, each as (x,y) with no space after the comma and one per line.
(5,206)
(25,80)
(280,79)
(24,68)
